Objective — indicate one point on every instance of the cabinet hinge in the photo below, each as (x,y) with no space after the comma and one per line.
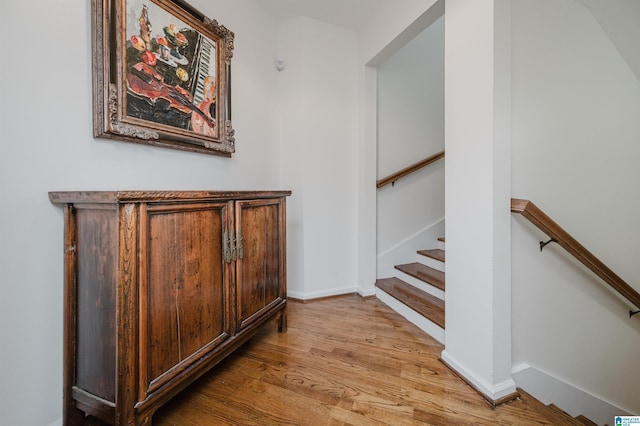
(227,247)
(240,245)
(234,254)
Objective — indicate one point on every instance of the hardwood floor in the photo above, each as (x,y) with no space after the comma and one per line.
(343,361)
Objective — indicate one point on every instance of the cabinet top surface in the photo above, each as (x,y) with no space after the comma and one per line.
(64,197)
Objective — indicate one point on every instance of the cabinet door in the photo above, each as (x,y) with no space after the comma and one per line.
(184,288)
(260,266)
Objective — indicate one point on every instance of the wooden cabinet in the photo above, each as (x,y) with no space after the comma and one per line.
(161,286)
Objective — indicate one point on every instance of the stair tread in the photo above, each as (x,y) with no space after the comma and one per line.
(436,254)
(585,421)
(423,303)
(555,414)
(423,273)
(562,415)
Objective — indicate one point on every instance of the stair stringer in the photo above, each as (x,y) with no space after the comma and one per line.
(407,249)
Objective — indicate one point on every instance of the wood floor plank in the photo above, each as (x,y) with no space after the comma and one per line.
(343,361)
(343,416)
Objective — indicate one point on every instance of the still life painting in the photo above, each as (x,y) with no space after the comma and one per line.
(163,77)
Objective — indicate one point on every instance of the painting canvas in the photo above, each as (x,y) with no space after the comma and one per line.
(165,76)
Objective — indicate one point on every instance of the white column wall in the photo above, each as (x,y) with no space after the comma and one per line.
(478,314)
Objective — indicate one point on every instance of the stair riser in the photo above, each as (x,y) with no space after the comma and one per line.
(409,279)
(430,262)
(412,316)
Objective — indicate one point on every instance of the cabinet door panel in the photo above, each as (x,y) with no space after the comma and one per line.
(260,270)
(95,349)
(185,288)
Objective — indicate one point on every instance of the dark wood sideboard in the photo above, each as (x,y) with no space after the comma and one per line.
(159,287)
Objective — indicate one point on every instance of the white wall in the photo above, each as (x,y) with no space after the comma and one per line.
(410,128)
(575,132)
(47,144)
(318,133)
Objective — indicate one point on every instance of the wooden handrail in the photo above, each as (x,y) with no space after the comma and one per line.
(408,170)
(536,216)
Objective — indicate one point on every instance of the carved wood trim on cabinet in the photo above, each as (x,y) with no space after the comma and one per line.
(159,287)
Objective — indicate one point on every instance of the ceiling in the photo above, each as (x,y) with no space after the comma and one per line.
(618,18)
(351,14)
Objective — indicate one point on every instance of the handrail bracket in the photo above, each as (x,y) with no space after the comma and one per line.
(632,313)
(543,244)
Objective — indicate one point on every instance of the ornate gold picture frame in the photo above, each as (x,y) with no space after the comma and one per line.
(162,76)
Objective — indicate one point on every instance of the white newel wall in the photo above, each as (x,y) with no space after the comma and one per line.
(477,117)
(576,105)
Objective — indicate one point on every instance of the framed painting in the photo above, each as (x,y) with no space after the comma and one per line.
(162,76)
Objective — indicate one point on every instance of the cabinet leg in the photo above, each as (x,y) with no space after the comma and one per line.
(145,420)
(72,416)
(282,321)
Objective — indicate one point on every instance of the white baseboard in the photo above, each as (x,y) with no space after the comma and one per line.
(550,390)
(57,422)
(493,392)
(412,316)
(323,293)
(366,293)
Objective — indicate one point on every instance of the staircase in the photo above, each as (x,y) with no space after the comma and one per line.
(417,291)
(554,413)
